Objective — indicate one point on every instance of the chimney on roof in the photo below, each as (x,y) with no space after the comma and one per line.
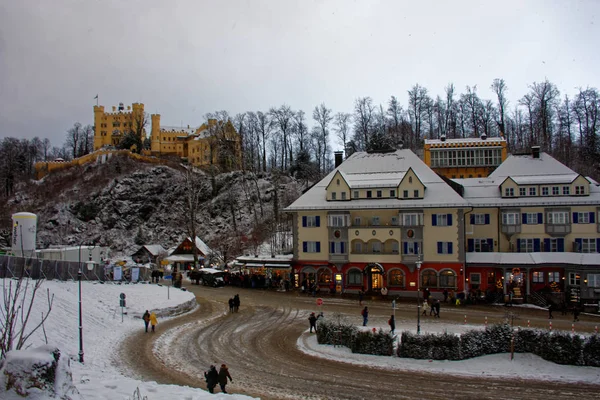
(535,151)
(483,136)
(339,158)
(443,138)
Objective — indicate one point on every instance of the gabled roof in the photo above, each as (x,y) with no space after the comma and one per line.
(526,165)
(382,168)
(203,247)
(155,249)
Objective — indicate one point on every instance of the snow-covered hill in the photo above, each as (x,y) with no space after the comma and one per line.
(124,203)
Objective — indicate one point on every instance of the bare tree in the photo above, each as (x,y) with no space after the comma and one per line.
(194,183)
(282,118)
(300,129)
(363,121)
(342,127)
(395,114)
(74,136)
(323,117)
(18,298)
(499,87)
(417,107)
(263,125)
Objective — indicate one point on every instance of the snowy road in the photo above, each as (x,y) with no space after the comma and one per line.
(259,346)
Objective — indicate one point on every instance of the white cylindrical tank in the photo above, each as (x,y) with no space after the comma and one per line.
(24,231)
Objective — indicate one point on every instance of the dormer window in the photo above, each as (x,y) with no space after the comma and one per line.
(509,192)
(379,194)
(522,192)
(343,195)
(545,191)
(392,193)
(405,194)
(566,190)
(369,194)
(333,196)
(532,191)
(416,194)
(555,191)
(356,194)
(579,189)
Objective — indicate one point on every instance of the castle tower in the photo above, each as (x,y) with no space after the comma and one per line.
(155,134)
(100,133)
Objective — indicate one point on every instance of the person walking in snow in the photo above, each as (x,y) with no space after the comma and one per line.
(360,297)
(313,322)
(212,378)
(436,308)
(550,309)
(231,305)
(223,375)
(392,324)
(365,315)
(236,303)
(153,320)
(146,319)
(425,307)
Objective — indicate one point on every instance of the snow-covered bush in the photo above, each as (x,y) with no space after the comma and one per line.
(591,351)
(498,338)
(528,340)
(414,346)
(378,343)
(336,332)
(473,343)
(561,348)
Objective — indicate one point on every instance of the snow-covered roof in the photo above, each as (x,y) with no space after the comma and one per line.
(372,180)
(490,140)
(278,259)
(525,170)
(545,179)
(526,165)
(155,249)
(203,247)
(183,258)
(533,258)
(382,166)
(189,130)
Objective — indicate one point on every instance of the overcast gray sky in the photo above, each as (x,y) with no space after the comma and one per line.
(183,59)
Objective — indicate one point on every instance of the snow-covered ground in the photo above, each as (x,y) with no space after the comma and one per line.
(104,327)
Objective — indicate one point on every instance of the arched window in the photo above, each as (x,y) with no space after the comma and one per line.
(324,276)
(428,278)
(447,279)
(396,278)
(355,277)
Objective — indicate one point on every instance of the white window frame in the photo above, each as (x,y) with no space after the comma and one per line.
(509,192)
(357,194)
(557,217)
(392,192)
(379,194)
(478,244)
(532,218)
(343,195)
(522,191)
(311,221)
(553,246)
(554,276)
(478,219)
(395,220)
(333,196)
(311,247)
(410,246)
(537,277)
(526,245)
(583,217)
(545,191)
(580,190)
(510,218)
(588,245)
(338,221)
(593,280)
(442,220)
(376,246)
(555,191)
(574,278)
(566,190)
(533,191)
(412,219)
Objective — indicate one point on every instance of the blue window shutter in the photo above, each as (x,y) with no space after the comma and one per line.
(536,245)
(405,248)
(597,245)
(547,245)
(575,218)
(524,218)
(449,219)
(470,245)
(490,245)
(449,247)
(487,219)
(416,247)
(318,221)
(434,220)
(332,247)
(304,221)
(592,217)
(472,219)
(579,245)
(518,245)
(343,247)
(318,247)
(560,245)
(440,250)
(540,218)
(305,247)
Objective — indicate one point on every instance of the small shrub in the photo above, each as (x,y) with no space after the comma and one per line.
(562,348)
(498,339)
(591,351)
(378,343)
(527,340)
(473,344)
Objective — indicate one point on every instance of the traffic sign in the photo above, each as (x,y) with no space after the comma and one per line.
(122,296)
(319,302)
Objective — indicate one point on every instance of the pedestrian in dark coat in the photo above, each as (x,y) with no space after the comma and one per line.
(360,297)
(436,308)
(212,378)
(576,311)
(236,303)
(146,319)
(392,324)
(223,375)
(445,295)
(313,322)
(550,309)
(365,315)
(231,304)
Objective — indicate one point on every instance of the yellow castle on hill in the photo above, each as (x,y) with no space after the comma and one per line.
(212,143)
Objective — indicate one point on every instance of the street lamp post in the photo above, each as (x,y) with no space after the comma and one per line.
(79,273)
(418,263)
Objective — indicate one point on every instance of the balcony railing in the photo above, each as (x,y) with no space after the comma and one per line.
(388,252)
